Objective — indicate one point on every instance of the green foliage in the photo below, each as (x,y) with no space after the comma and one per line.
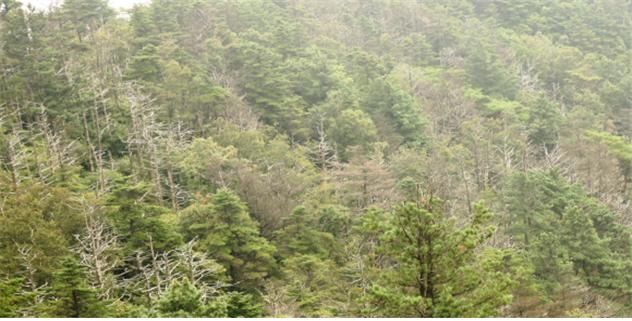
(566,233)
(279,138)
(12,298)
(181,300)
(87,15)
(43,220)
(140,225)
(617,145)
(300,236)
(543,122)
(488,73)
(145,65)
(400,109)
(352,128)
(70,295)
(184,300)
(231,237)
(434,274)
(312,283)
(267,85)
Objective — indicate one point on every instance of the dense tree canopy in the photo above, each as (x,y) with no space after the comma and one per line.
(316,158)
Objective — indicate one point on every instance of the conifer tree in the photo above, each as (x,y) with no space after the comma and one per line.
(12,298)
(70,294)
(230,236)
(433,271)
(182,299)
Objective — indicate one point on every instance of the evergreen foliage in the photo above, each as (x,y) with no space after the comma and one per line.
(271,158)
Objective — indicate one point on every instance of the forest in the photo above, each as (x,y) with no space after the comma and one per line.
(316,158)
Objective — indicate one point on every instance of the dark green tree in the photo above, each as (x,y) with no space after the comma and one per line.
(439,271)
(87,15)
(543,123)
(70,294)
(565,233)
(141,225)
(301,236)
(486,71)
(230,236)
(146,66)
(184,300)
(12,298)
(391,105)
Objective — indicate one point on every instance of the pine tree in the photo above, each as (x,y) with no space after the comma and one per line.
(12,298)
(300,236)
(352,128)
(182,299)
(314,284)
(487,72)
(231,237)
(70,295)
(140,225)
(439,271)
(567,236)
(242,305)
(543,123)
(87,15)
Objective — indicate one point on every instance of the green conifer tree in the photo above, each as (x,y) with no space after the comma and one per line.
(231,237)
(440,271)
(70,294)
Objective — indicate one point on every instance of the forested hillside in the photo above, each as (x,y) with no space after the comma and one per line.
(312,158)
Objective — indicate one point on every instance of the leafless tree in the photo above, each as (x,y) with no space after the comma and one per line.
(96,249)
(142,139)
(58,152)
(278,302)
(154,271)
(325,154)
(200,270)
(172,142)
(35,292)
(99,118)
(15,155)
(529,81)
(14,159)
(238,112)
(28,257)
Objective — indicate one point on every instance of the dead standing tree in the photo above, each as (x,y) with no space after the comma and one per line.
(58,152)
(200,270)
(153,272)
(28,258)
(96,249)
(365,182)
(13,159)
(142,139)
(96,123)
(171,143)
(324,154)
(30,288)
